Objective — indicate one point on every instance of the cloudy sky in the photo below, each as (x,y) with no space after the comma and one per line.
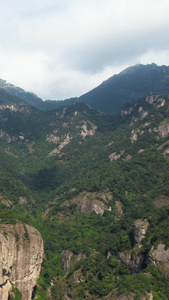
(64,48)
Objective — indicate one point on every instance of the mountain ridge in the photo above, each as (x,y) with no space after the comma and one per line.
(131,84)
(14,90)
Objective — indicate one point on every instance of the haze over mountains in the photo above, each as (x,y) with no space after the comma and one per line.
(131,84)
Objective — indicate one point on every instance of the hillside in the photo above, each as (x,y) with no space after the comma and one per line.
(96,188)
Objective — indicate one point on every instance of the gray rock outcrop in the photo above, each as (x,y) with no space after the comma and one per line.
(140,229)
(21,255)
(89,202)
(160,258)
(134,258)
(66,260)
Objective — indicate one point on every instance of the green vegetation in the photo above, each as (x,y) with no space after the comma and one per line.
(60,194)
(15,294)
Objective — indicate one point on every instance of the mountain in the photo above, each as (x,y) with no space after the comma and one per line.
(30,98)
(96,188)
(131,84)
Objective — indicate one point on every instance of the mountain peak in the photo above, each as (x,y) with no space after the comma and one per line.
(131,84)
(138,67)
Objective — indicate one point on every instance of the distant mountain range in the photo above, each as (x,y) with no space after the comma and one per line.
(133,83)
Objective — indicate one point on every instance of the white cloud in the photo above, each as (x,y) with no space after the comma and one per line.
(61,48)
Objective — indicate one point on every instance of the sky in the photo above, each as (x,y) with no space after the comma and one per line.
(64,48)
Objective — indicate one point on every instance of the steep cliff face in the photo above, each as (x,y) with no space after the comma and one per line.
(134,258)
(21,255)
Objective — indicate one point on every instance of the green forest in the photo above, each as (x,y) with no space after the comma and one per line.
(85,180)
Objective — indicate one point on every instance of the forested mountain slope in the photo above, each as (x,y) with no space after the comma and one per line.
(96,187)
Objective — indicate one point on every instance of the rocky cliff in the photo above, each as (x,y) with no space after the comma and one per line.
(89,202)
(135,258)
(159,257)
(21,254)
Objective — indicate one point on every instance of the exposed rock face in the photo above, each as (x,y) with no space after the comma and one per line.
(14,108)
(156,101)
(160,258)
(78,276)
(5,136)
(88,202)
(127,111)
(66,260)
(87,206)
(115,155)
(134,258)
(66,257)
(85,131)
(162,201)
(119,210)
(21,255)
(128,157)
(55,139)
(134,136)
(152,99)
(164,129)
(140,229)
